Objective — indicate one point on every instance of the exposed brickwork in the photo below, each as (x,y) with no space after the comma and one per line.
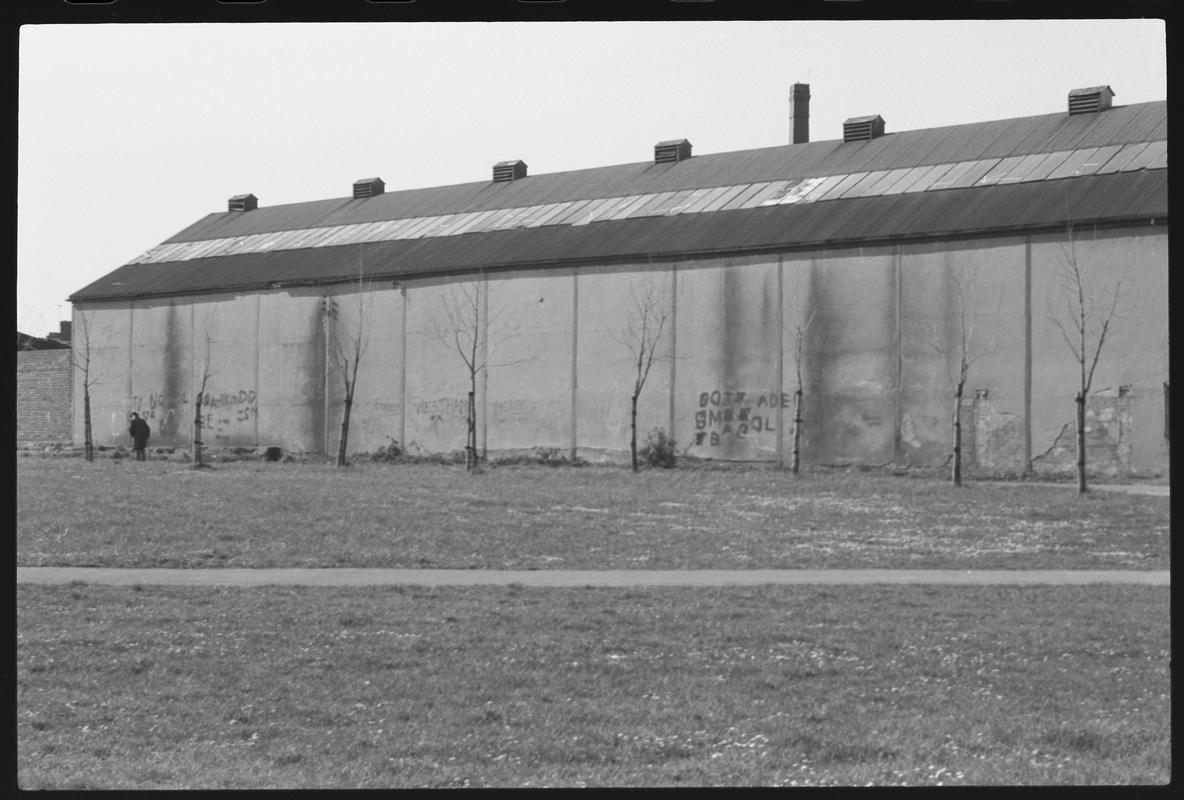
(1108,420)
(44,413)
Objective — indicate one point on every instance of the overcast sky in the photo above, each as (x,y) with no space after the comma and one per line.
(129,133)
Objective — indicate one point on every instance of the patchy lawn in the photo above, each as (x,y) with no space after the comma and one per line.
(167,687)
(250,514)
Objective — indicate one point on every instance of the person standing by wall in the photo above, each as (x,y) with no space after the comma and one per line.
(140,432)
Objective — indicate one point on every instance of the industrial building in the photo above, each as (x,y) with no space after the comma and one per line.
(852,261)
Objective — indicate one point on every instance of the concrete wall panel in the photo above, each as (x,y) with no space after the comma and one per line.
(606,363)
(852,368)
(291,356)
(1136,351)
(977,289)
(729,347)
(436,401)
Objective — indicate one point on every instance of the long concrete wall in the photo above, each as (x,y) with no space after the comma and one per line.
(875,335)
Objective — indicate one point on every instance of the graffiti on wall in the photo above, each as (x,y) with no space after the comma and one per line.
(723,416)
(223,413)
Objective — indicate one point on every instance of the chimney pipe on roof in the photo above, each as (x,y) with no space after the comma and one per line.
(799,113)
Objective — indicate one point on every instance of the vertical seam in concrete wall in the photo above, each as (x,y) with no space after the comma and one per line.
(780,358)
(1027,354)
(575,332)
(896,335)
(258,305)
(673,342)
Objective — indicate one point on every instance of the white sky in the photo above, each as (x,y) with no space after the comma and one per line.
(129,133)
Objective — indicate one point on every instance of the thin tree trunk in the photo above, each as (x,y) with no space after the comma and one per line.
(633,434)
(344,443)
(89,442)
(471,443)
(197,432)
(1081,485)
(956,466)
(795,459)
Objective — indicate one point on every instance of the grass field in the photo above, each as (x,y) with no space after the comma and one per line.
(182,687)
(154,687)
(252,514)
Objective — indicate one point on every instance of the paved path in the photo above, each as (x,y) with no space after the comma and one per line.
(479,577)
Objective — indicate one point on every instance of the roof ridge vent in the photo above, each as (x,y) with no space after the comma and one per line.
(863,129)
(1090,100)
(368,187)
(505,171)
(243,202)
(672,151)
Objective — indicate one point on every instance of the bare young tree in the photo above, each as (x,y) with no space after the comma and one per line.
(207,372)
(649,308)
(1086,321)
(469,330)
(80,359)
(959,353)
(349,338)
(798,331)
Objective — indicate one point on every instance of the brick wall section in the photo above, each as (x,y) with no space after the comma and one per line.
(44,411)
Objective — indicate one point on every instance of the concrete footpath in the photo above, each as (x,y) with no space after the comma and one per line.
(577,578)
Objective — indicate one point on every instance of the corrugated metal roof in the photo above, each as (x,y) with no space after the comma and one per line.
(1121,196)
(977,141)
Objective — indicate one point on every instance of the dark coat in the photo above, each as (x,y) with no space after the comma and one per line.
(140,431)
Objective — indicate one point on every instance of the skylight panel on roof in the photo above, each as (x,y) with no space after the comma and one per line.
(663,205)
(627,208)
(820,190)
(707,199)
(977,170)
(552,211)
(893,176)
(202,249)
(1050,162)
(955,172)
(343,234)
(1099,158)
(746,198)
(860,187)
(796,194)
(719,202)
(930,176)
(645,205)
(785,188)
(687,204)
(845,183)
(1161,159)
(1143,160)
(1019,172)
(1122,158)
(1000,172)
(902,180)
(565,216)
(681,201)
(418,226)
(1072,165)
(589,213)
